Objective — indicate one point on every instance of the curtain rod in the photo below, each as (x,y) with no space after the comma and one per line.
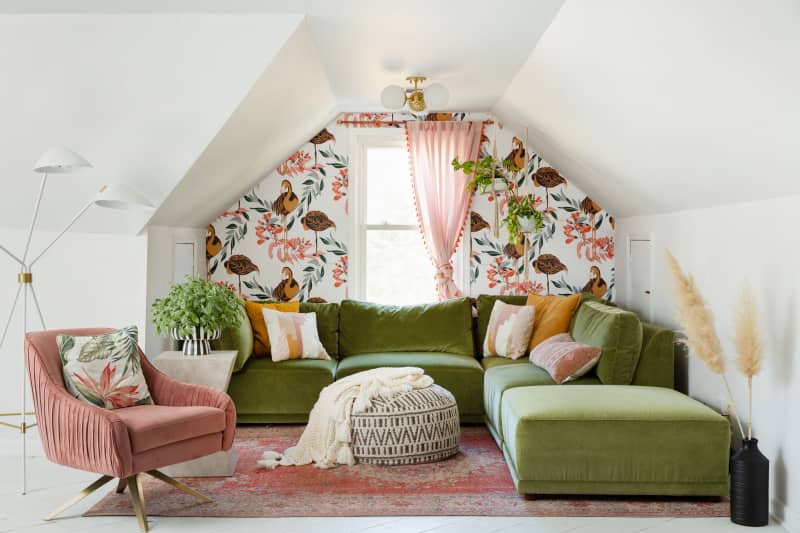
(395,122)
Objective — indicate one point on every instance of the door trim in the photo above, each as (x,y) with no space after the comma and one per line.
(640,237)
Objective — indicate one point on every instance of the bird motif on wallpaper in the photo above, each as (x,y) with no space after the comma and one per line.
(317,221)
(317,300)
(213,243)
(477,222)
(288,286)
(514,252)
(547,177)
(321,138)
(597,285)
(515,160)
(591,208)
(283,205)
(549,265)
(439,116)
(613,222)
(241,265)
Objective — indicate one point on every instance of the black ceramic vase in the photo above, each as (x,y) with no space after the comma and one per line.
(749,485)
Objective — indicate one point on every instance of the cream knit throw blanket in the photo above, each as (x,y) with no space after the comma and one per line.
(326,439)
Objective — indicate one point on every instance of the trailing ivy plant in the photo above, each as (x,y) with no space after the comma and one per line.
(520,207)
(197,302)
(484,172)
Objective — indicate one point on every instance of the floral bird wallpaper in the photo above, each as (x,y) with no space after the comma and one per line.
(286,238)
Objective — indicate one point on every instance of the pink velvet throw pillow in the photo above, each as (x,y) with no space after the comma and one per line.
(564,358)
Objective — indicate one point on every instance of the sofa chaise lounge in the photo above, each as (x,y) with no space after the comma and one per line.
(621,429)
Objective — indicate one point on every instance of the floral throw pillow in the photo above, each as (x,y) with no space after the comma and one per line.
(509,330)
(104,370)
(293,335)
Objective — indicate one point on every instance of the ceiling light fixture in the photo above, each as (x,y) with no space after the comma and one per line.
(419,99)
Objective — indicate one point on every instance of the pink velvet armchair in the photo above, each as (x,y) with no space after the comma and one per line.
(186,422)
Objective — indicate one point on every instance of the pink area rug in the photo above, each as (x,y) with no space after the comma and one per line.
(476,482)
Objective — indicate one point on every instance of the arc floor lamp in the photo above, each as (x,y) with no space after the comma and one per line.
(56,160)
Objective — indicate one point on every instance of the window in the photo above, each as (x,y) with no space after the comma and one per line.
(392,264)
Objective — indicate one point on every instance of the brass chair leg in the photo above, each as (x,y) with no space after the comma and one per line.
(136,499)
(121,485)
(75,499)
(178,485)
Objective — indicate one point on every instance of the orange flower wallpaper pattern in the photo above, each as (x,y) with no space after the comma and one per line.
(286,238)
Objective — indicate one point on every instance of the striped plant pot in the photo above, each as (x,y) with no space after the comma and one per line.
(198,341)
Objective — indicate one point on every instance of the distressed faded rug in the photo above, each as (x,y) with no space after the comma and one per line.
(475,482)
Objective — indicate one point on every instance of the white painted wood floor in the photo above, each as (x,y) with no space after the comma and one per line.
(49,485)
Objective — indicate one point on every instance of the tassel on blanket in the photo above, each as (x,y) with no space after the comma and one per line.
(270,459)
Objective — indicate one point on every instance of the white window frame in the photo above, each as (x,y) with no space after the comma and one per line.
(361,141)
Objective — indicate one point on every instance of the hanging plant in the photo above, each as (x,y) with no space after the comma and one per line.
(488,174)
(522,217)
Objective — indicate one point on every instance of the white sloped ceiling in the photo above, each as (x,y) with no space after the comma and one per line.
(661,106)
(138,95)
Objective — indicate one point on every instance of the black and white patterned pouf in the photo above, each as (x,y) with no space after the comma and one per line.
(420,426)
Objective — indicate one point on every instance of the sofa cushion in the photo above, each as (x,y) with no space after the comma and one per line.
(462,375)
(500,378)
(484,304)
(553,316)
(614,440)
(327,324)
(617,332)
(372,328)
(239,339)
(279,392)
(261,346)
(152,426)
(656,366)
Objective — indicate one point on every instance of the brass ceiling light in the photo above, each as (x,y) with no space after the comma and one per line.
(419,99)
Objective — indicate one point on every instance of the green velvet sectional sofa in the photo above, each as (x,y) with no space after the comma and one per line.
(621,429)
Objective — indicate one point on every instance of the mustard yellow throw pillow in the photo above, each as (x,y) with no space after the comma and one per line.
(261,347)
(553,315)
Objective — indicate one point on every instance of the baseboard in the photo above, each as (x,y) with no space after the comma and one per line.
(785,516)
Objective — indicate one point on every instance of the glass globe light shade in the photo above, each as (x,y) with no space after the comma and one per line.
(436,96)
(393,97)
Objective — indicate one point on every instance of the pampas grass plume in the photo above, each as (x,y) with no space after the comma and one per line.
(698,322)
(748,346)
(748,339)
(696,318)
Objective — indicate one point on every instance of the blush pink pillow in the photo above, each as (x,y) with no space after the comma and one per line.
(564,358)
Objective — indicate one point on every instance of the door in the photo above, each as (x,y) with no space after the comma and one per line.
(640,285)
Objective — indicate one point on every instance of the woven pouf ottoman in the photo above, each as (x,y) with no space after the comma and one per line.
(420,426)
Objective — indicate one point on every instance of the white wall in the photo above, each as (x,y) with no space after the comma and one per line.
(85,280)
(160,273)
(723,247)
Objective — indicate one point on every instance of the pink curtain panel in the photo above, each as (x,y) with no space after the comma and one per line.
(440,193)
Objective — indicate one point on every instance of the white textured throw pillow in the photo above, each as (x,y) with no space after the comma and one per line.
(293,335)
(104,370)
(509,331)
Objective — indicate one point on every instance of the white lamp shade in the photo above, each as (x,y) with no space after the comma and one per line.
(58,160)
(120,197)
(436,96)
(393,97)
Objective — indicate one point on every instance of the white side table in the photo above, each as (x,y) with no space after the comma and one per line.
(213,370)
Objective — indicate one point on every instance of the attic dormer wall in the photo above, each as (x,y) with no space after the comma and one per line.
(319,175)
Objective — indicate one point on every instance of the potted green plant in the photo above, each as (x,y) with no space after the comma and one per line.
(522,217)
(195,312)
(488,174)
